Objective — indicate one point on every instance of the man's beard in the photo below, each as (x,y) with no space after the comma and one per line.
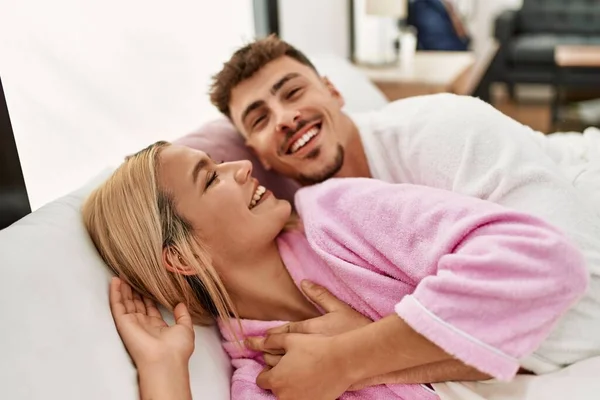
(328,172)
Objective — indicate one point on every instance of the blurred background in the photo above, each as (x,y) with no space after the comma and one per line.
(538,61)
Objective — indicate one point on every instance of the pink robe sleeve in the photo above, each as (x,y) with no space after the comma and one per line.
(243,382)
(490,282)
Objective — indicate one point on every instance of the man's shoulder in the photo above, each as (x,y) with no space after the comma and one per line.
(416,108)
(431,103)
(442,112)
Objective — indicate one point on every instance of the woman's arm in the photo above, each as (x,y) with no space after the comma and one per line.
(492,301)
(167,380)
(160,352)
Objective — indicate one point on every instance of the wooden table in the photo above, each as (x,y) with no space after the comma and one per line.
(577,56)
(431,72)
(569,59)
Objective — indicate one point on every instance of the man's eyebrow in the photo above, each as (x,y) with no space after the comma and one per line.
(202,163)
(282,82)
(274,89)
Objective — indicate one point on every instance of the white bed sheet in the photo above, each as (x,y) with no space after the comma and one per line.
(580,381)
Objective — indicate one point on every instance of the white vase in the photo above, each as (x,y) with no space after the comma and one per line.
(408,46)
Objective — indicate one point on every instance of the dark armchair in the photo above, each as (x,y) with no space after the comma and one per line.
(528,37)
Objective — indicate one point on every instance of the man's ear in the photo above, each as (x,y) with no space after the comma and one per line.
(174,262)
(333,91)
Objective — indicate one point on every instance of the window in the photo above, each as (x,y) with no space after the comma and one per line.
(89,82)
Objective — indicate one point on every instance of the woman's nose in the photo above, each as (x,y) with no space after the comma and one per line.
(243,171)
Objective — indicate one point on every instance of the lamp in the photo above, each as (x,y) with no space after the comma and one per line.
(389,12)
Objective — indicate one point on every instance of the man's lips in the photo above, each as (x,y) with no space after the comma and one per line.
(299,134)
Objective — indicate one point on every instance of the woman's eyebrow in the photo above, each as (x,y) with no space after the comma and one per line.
(202,163)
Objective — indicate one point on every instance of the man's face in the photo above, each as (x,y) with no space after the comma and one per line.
(292,119)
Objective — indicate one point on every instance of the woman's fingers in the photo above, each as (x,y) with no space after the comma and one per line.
(117,307)
(151,308)
(127,297)
(182,316)
(140,307)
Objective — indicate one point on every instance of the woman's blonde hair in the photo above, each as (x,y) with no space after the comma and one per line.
(131,220)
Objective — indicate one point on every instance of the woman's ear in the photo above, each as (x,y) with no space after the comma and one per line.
(174,262)
(333,91)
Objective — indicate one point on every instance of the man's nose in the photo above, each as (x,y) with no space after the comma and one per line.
(288,122)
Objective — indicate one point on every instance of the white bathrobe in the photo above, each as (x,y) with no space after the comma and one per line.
(465,145)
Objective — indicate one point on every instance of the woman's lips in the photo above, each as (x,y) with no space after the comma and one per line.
(266,194)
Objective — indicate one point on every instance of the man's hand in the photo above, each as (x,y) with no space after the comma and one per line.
(310,369)
(339,317)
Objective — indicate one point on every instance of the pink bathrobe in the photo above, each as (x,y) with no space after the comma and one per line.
(484,283)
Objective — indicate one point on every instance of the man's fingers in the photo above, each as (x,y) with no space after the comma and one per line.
(322,297)
(280,329)
(271,360)
(259,344)
(262,380)
(307,326)
(182,316)
(277,342)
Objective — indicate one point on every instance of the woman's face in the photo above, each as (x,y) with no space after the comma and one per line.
(227,207)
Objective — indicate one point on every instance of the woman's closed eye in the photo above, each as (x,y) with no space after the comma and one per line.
(213,177)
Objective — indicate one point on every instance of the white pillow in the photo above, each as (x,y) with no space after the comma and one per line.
(359,92)
(58,340)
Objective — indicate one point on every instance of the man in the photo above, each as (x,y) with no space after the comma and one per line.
(439,25)
(292,119)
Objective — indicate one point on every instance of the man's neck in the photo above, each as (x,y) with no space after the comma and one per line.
(355,164)
(264,290)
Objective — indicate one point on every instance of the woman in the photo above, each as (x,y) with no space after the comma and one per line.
(205,237)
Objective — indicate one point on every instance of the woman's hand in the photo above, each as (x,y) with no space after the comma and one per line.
(147,337)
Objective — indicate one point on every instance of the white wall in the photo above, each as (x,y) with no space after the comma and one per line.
(374,36)
(88,82)
(321,26)
(316,26)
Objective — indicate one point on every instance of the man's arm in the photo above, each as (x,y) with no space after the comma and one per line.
(443,371)
(320,367)
(375,351)
(341,318)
